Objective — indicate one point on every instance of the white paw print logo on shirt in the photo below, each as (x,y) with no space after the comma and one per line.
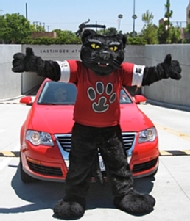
(103,103)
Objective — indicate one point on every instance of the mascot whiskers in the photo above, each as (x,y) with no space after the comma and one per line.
(99,76)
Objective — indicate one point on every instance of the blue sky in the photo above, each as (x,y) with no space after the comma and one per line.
(68,14)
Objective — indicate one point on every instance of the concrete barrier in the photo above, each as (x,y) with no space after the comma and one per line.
(10,84)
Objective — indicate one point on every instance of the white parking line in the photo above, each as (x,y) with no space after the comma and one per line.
(6,161)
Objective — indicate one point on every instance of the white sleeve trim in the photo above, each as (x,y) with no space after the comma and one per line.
(65,71)
(138,73)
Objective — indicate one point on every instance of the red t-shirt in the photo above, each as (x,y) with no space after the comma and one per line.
(97,102)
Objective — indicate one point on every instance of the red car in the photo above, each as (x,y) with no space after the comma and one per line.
(45,135)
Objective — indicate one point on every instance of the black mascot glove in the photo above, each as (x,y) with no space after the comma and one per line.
(32,63)
(171,68)
(167,69)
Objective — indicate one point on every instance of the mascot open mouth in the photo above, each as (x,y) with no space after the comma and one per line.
(103,65)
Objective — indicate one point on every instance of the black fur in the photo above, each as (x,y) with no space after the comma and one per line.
(167,69)
(135,203)
(32,63)
(69,209)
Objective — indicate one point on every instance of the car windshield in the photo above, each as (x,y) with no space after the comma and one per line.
(58,93)
(61,93)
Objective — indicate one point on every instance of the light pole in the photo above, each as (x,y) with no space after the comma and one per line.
(26,7)
(120,16)
(134,17)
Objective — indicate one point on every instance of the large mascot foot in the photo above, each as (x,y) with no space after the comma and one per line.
(135,203)
(64,209)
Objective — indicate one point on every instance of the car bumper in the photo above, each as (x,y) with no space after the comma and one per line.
(43,162)
(145,159)
(47,163)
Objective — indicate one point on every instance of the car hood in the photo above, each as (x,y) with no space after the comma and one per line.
(59,119)
(133,119)
(52,119)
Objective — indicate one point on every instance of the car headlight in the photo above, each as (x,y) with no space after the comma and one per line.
(147,135)
(37,138)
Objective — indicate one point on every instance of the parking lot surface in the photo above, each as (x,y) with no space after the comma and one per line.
(35,201)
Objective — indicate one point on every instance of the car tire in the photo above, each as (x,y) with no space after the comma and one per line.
(25,178)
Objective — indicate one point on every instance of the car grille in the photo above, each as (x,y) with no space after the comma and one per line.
(128,139)
(144,166)
(44,170)
(64,140)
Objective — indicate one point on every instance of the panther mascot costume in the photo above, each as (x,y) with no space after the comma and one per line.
(99,76)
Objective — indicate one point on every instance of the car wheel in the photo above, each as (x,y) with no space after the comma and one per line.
(25,178)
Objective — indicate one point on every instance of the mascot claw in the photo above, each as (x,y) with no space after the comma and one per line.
(135,203)
(65,209)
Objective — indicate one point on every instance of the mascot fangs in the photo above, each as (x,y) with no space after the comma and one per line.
(99,76)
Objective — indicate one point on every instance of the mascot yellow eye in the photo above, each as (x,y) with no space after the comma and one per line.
(113,48)
(95,46)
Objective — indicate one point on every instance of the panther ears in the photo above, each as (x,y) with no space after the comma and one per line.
(88,32)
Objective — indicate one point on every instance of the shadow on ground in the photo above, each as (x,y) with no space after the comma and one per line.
(44,195)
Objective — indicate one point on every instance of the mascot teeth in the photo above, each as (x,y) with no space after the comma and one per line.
(103,65)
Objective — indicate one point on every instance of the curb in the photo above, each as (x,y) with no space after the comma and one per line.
(10,103)
(167,105)
(162,153)
(12,100)
(9,153)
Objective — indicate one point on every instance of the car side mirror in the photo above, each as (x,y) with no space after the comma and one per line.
(140,99)
(26,100)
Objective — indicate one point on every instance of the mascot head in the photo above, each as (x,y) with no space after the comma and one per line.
(100,53)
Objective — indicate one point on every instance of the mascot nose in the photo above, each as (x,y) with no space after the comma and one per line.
(104,55)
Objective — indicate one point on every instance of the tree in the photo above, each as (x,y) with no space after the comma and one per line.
(66,37)
(2,28)
(15,28)
(149,31)
(167,16)
(161,34)
(187,29)
(147,18)
(175,34)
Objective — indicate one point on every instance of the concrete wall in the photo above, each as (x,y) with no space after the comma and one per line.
(168,90)
(10,84)
(135,54)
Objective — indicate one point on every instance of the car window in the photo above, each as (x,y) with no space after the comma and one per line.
(124,98)
(58,93)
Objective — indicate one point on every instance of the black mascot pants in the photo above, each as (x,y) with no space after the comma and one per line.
(85,143)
